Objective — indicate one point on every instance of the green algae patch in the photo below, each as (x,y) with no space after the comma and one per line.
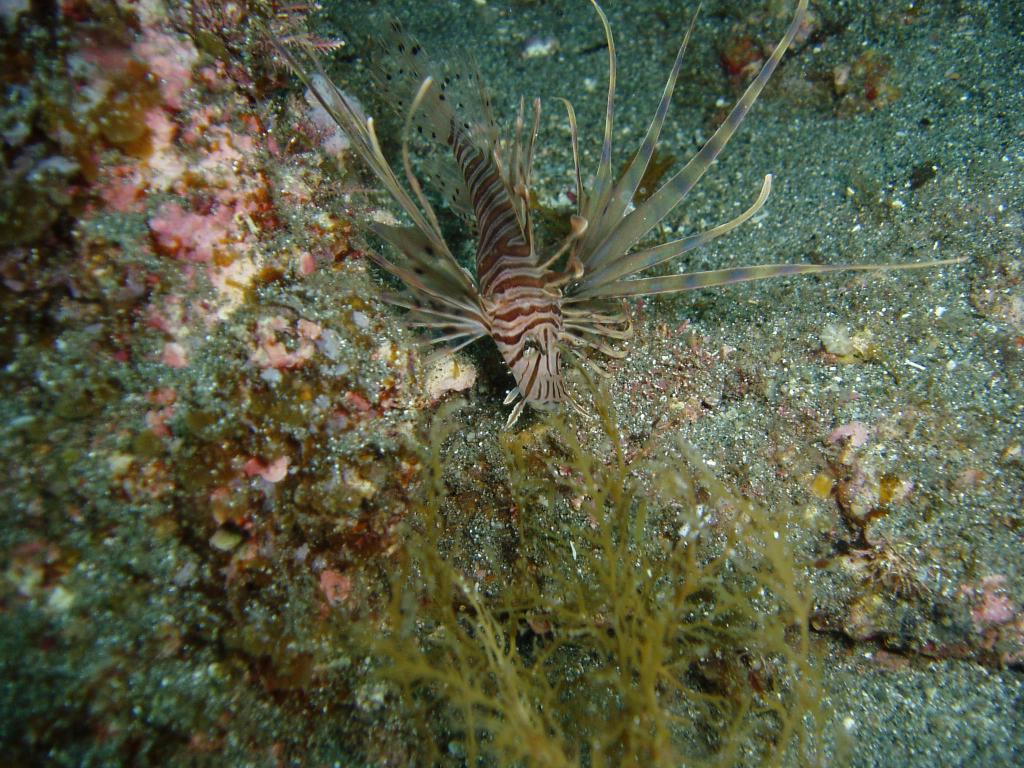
(643,614)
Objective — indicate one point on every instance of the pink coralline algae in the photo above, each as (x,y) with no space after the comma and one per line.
(996,618)
(991,605)
(271,352)
(163,401)
(174,355)
(855,434)
(192,236)
(176,143)
(170,59)
(273,472)
(336,586)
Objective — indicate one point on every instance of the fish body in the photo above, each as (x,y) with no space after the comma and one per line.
(536,307)
(523,311)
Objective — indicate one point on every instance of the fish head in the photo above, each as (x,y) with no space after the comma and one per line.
(536,365)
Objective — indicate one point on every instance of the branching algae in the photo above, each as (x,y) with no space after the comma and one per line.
(648,616)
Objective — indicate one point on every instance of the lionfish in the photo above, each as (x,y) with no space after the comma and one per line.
(535,304)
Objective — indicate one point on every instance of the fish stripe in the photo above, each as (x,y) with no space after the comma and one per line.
(520,304)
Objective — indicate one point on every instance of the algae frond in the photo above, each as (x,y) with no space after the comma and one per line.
(646,615)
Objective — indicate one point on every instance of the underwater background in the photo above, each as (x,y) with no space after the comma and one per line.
(247,521)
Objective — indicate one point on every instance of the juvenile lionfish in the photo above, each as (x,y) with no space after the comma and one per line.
(535,304)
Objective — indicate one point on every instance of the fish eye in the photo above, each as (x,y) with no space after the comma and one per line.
(531,347)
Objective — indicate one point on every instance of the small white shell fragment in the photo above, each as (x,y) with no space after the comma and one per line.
(836,340)
(450,374)
(539,46)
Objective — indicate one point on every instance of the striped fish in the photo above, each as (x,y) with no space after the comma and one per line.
(535,305)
